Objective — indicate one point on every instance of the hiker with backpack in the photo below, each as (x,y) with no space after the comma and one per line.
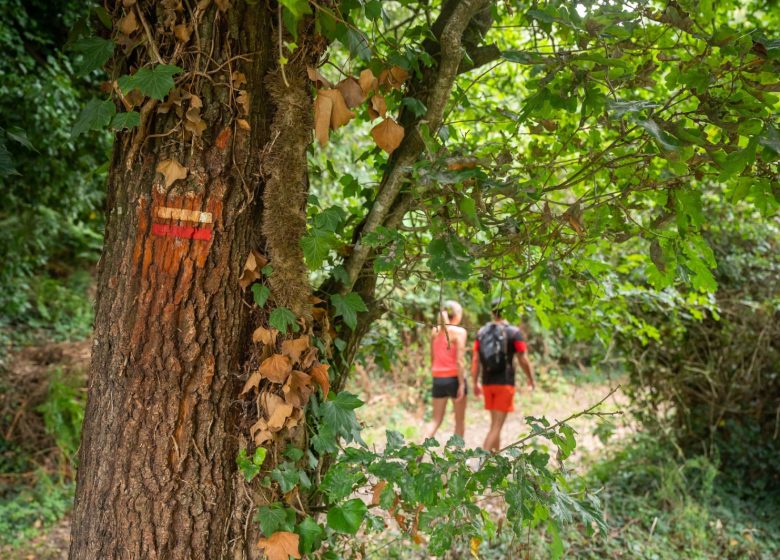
(448,348)
(497,347)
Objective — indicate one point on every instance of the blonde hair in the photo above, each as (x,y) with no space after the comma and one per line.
(448,309)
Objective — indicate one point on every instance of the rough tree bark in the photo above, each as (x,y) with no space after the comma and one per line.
(157,465)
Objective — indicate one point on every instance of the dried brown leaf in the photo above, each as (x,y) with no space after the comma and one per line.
(279,416)
(323,106)
(319,80)
(195,101)
(193,121)
(252,382)
(377,492)
(276,368)
(243,101)
(223,5)
(264,336)
(368,81)
(238,79)
(388,135)
(319,373)
(297,389)
(351,92)
(128,24)
(243,124)
(295,347)
(393,78)
(377,107)
(172,170)
(182,32)
(280,545)
(308,358)
(340,113)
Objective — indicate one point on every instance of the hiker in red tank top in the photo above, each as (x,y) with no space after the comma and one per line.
(448,346)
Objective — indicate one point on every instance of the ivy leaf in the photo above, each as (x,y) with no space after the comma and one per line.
(286,475)
(348,307)
(338,414)
(274,518)
(357,43)
(311,535)
(330,219)
(281,318)
(416,106)
(94,52)
(251,468)
(260,293)
(347,518)
(130,119)
(95,116)
(298,8)
(154,82)
(316,246)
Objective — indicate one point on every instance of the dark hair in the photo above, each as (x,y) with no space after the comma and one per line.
(496,306)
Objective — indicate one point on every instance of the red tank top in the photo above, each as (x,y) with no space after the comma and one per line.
(445,359)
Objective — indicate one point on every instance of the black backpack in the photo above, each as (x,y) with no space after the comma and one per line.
(493,354)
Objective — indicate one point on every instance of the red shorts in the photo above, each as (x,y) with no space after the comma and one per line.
(499,397)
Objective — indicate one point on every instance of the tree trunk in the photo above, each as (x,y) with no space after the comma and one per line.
(157,466)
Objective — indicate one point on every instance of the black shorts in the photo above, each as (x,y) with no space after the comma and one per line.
(446,387)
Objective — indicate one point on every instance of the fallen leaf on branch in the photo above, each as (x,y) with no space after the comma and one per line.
(319,373)
(252,382)
(388,135)
(323,107)
(276,368)
(319,80)
(182,32)
(393,78)
(377,107)
(351,92)
(265,336)
(279,416)
(368,81)
(172,170)
(128,24)
(252,267)
(243,101)
(340,113)
(308,358)
(298,388)
(238,79)
(243,124)
(294,348)
(280,545)
(377,491)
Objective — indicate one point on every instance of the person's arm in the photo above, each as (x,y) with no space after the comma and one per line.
(461,353)
(475,369)
(525,363)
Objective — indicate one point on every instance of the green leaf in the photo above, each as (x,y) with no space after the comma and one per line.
(338,414)
(275,518)
(95,116)
(348,307)
(6,162)
(316,246)
(260,293)
(94,52)
(251,468)
(311,535)
(770,138)
(663,139)
(129,119)
(286,475)
(330,219)
(373,9)
(556,545)
(523,57)
(449,259)
(154,82)
(358,45)
(281,318)
(469,209)
(298,8)
(348,517)
(416,106)
(20,136)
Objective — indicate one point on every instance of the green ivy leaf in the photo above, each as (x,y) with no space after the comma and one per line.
(94,52)
(338,414)
(260,293)
(348,307)
(330,219)
(275,518)
(251,468)
(416,106)
(311,535)
(286,475)
(130,119)
(154,82)
(358,45)
(95,116)
(316,246)
(281,318)
(348,517)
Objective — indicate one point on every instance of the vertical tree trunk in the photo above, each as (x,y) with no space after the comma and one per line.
(157,465)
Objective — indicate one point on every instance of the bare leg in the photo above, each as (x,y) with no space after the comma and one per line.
(493,438)
(439,407)
(460,416)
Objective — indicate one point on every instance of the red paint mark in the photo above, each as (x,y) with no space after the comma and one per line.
(222,140)
(186,232)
